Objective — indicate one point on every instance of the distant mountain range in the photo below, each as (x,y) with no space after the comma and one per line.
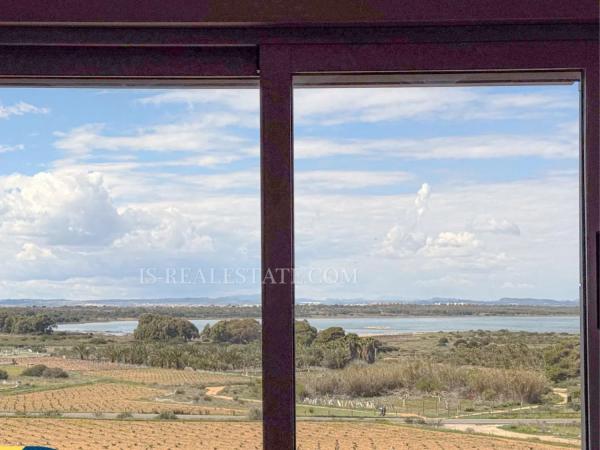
(248,300)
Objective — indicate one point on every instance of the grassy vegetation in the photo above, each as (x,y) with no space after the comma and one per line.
(569,431)
(77,314)
(358,381)
(475,374)
(539,412)
(330,411)
(417,377)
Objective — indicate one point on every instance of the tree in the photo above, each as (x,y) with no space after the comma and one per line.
(305,333)
(336,355)
(30,324)
(330,334)
(155,327)
(368,349)
(82,350)
(234,331)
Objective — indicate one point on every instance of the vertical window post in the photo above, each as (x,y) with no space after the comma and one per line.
(277,249)
(590,127)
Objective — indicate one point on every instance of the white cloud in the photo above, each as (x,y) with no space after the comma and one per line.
(330,106)
(70,232)
(517,285)
(246,100)
(399,243)
(489,224)
(336,106)
(33,252)
(63,231)
(379,235)
(422,199)
(168,230)
(393,252)
(406,240)
(66,210)
(199,135)
(11,148)
(452,244)
(447,282)
(72,288)
(20,109)
(453,147)
(323,180)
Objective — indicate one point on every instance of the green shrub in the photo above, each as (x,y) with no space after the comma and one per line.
(443,341)
(574,406)
(428,384)
(124,415)
(34,371)
(167,415)
(3,374)
(255,414)
(54,372)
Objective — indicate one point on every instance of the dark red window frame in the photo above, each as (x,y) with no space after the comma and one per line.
(223,43)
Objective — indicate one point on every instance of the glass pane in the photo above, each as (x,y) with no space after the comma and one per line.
(437,248)
(130,222)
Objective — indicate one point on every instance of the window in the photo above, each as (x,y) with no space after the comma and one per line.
(437,265)
(131,283)
(137,45)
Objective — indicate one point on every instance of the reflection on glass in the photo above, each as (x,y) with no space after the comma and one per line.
(437,249)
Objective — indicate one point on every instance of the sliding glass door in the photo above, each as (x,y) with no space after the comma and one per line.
(437,266)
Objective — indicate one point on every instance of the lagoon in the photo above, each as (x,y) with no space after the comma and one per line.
(365,326)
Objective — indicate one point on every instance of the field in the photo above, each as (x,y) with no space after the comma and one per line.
(169,377)
(104,397)
(65,363)
(108,434)
(93,389)
(121,393)
(126,372)
(101,388)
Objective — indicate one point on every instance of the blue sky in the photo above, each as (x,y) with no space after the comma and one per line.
(423,192)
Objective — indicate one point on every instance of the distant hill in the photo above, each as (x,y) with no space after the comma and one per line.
(248,300)
(445,301)
(534,302)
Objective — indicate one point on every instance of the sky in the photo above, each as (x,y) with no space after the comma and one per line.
(400,193)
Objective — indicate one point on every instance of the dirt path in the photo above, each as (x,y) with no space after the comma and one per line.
(215,392)
(497,431)
(563,393)
(496,411)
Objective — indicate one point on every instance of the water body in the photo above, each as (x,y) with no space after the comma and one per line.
(383,325)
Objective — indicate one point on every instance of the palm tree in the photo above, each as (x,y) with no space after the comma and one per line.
(83,350)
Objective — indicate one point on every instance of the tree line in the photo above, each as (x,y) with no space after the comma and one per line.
(232,344)
(155,327)
(78,313)
(37,323)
